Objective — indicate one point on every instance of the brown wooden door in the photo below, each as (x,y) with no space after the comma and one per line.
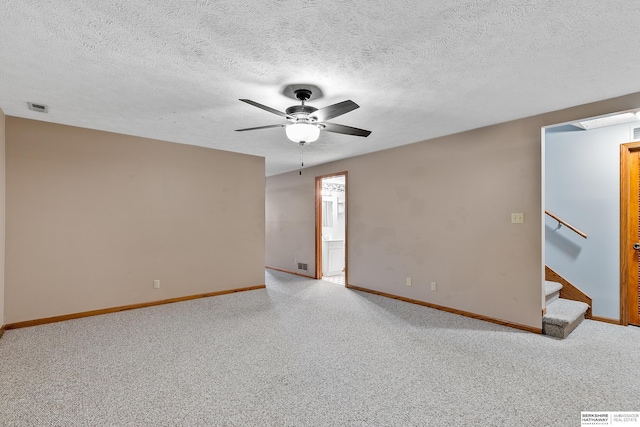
(630,234)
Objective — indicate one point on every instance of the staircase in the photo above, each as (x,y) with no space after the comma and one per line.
(562,315)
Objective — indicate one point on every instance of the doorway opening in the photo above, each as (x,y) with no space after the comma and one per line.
(331,228)
(588,176)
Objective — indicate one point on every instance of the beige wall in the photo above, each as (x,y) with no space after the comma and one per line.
(439,210)
(94,217)
(2,213)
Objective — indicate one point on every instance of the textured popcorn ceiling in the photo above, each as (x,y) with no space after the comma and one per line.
(174,70)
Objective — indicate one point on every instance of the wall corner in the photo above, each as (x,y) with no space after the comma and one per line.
(2,214)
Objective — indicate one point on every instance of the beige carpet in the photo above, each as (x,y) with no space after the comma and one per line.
(308,353)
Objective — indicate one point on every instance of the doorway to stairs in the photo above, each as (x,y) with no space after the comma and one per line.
(587,180)
(331,228)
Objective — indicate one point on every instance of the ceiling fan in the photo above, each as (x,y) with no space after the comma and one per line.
(305,121)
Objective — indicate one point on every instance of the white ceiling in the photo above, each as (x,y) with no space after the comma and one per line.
(174,70)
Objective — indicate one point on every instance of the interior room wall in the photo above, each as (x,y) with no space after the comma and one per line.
(290,222)
(438,211)
(582,186)
(93,218)
(2,212)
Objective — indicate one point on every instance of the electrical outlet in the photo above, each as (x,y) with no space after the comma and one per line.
(434,286)
(517,218)
(156,284)
(408,281)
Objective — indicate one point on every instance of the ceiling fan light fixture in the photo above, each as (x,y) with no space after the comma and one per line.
(302,132)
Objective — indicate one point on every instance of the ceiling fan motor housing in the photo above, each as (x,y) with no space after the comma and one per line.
(301,112)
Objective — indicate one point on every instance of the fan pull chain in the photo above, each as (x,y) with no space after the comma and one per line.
(301,159)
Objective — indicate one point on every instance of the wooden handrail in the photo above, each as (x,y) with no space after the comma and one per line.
(562,222)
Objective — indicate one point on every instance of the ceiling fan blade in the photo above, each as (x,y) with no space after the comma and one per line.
(261,127)
(264,107)
(334,110)
(347,130)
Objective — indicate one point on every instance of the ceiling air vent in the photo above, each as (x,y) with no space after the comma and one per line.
(636,133)
(40,108)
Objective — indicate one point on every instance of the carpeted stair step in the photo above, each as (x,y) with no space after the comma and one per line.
(562,317)
(551,291)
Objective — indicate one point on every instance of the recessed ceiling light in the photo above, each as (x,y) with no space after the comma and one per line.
(616,119)
(40,108)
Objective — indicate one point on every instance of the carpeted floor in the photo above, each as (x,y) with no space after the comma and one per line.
(310,353)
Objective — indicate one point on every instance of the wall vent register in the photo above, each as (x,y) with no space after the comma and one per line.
(40,108)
